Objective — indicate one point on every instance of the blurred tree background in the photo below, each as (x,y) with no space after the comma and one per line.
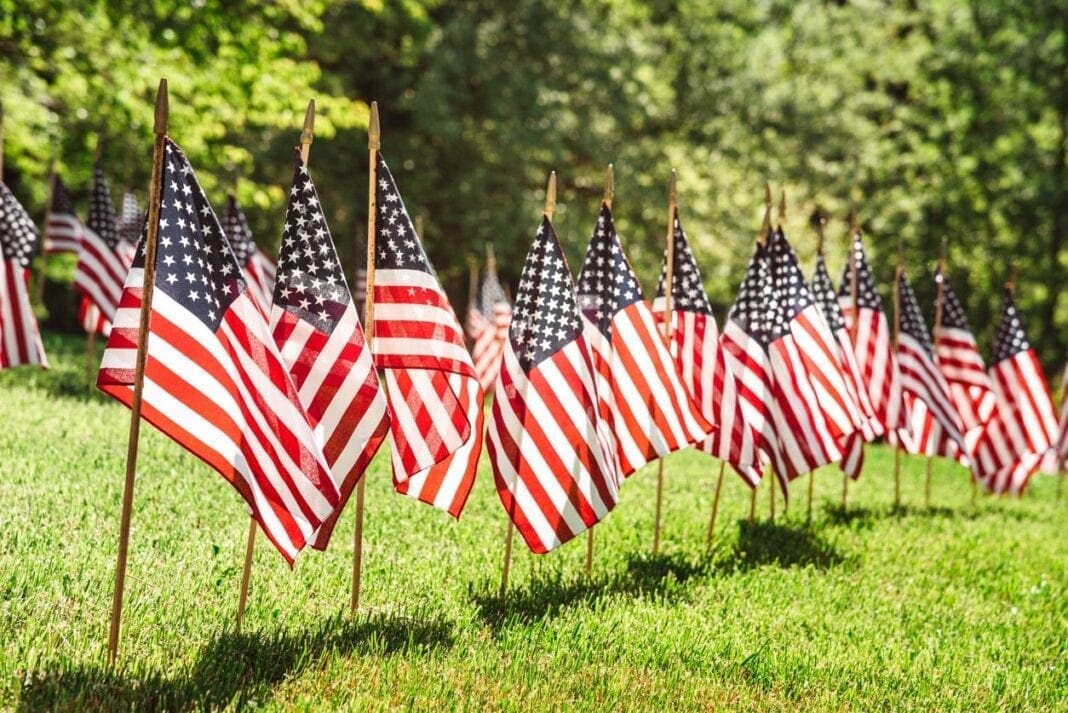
(944,118)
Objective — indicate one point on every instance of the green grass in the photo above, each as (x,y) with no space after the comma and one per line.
(950,608)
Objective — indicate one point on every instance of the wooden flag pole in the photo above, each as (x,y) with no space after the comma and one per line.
(668,283)
(550,208)
(374,144)
(898,272)
(1,140)
(306,138)
(854,231)
(607,196)
(147,285)
(710,536)
(939,296)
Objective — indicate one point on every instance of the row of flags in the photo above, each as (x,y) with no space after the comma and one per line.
(266,374)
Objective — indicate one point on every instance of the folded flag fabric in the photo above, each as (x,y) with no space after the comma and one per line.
(640,392)
(434,397)
(213,379)
(247,253)
(317,331)
(489,329)
(555,472)
(63,230)
(103,260)
(20,341)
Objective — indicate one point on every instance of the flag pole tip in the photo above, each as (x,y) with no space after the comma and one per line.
(782,205)
(550,196)
(673,195)
(609,185)
(309,123)
(374,129)
(163,108)
(767,194)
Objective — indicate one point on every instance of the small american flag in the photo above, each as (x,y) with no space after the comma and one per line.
(555,472)
(702,362)
(434,398)
(934,423)
(811,409)
(1023,426)
(102,260)
(20,342)
(63,230)
(853,446)
(131,223)
(318,333)
(960,362)
(872,343)
(641,394)
(214,380)
(743,345)
(247,253)
(491,330)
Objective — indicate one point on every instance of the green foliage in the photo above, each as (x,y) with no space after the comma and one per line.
(949,608)
(947,118)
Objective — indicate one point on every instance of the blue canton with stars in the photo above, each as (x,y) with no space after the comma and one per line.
(687,290)
(311,283)
(194,264)
(238,231)
(867,297)
(752,308)
(791,290)
(132,220)
(62,202)
(1010,339)
(397,247)
(952,312)
(546,316)
(102,218)
(912,322)
(490,294)
(606,283)
(19,237)
(826,297)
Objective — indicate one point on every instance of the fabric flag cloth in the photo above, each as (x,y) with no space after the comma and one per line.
(1023,427)
(494,314)
(131,222)
(853,445)
(318,333)
(872,343)
(960,362)
(102,260)
(639,390)
(434,397)
(701,362)
(1060,463)
(214,380)
(63,230)
(555,472)
(248,254)
(743,344)
(811,407)
(934,423)
(20,341)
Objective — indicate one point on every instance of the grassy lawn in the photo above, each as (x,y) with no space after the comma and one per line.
(950,608)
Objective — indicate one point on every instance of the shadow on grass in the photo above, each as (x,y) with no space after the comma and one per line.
(784,545)
(233,669)
(547,597)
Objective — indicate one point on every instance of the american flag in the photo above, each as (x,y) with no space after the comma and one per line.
(555,471)
(20,342)
(318,333)
(1061,458)
(810,406)
(434,398)
(743,344)
(247,252)
(63,230)
(1023,427)
(872,343)
(102,260)
(853,445)
(934,424)
(702,363)
(491,326)
(131,223)
(960,362)
(640,392)
(214,380)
